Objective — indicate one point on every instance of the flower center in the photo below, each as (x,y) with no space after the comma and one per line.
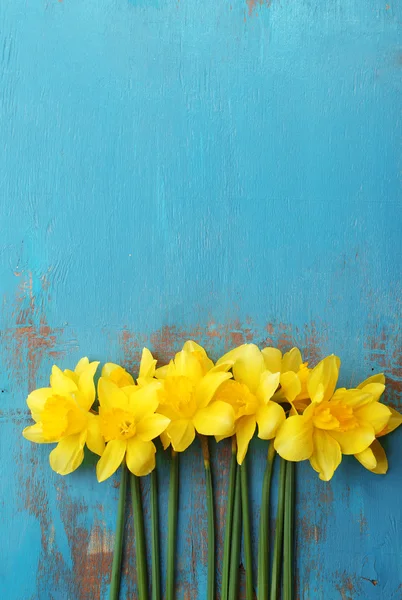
(62,416)
(239,396)
(335,415)
(178,395)
(117,424)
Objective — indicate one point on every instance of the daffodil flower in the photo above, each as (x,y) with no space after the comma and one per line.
(374,458)
(189,384)
(294,375)
(345,421)
(129,423)
(250,396)
(62,415)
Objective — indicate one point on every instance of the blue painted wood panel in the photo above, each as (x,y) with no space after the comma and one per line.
(226,171)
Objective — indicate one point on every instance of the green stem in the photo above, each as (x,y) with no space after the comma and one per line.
(236,541)
(118,543)
(277,557)
(155,552)
(229,521)
(141,556)
(263,539)
(172,524)
(288,533)
(211,520)
(246,531)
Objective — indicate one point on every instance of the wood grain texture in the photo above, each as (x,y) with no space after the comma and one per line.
(215,170)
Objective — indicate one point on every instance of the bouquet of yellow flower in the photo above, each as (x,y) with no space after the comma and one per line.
(298,408)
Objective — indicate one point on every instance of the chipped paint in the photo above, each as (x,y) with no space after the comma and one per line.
(252,5)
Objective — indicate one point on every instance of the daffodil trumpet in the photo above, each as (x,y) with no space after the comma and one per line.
(278,543)
(172,524)
(233,592)
(246,530)
(229,522)
(288,532)
(263,536)
(139,533)
(210,518)
(118,542)
(155,549)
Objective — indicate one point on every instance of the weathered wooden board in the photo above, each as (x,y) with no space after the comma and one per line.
(225,171)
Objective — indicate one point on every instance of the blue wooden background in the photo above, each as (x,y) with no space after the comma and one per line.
(224,171)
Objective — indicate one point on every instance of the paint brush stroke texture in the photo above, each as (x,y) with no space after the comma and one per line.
(220,171)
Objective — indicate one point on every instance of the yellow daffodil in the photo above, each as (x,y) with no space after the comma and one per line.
(335,423)
(294,375)
(250,396)
(62,415)
(374,458)
(189,384)
(129,422)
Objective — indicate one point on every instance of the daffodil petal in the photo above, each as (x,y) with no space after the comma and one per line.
(151,426)
(111,459)
(86,385)
(181,433)
(394,421)
(294,440)
(267,386)
(378,378)
(187,365)
(147,365)
(145,400)
(208,385)
(110,395)
(233,355)
(206,362)
(140,456)
(216,419)
(68,454)
(290,385)
(381,458)
(95,441)
(272,359)
(163,372)
(222,367)
(34,433)
(108,369)
(249,366)
(355,440)
(36,401)
(292,360)
(375,389)
(367,459)
(117,374)
(165,439)
(322,379)
(245,428)
(354,398)
(326,456)
(269,418)
(191,346)
(61,383)
(81,365)
(375,413)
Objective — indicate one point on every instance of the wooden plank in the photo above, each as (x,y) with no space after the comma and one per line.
(225,172)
